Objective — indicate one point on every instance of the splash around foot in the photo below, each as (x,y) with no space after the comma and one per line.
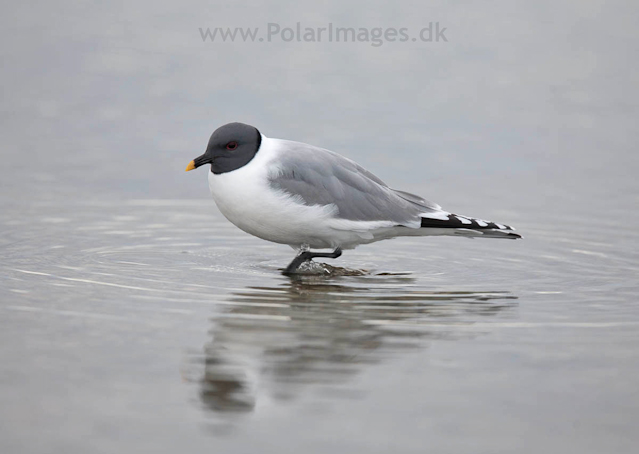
(310,268)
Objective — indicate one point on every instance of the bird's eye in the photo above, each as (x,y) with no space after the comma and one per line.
(231,145)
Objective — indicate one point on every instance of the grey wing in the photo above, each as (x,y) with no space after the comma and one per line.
(419,201)
(321,177)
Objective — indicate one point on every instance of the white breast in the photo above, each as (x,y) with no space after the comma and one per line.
(245,198)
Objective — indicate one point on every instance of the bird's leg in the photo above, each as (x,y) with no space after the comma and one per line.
(306,256)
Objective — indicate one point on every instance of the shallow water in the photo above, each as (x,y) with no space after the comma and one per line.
(158,325)
(135,318)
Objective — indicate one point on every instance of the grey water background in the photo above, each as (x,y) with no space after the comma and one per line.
(134,318)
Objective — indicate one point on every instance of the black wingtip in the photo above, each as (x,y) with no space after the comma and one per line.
(455,221)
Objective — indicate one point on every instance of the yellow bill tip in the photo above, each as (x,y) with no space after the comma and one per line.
(191,166)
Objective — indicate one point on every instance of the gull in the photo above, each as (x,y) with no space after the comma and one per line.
(312,198)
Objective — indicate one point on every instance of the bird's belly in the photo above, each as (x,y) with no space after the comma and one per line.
(269,215)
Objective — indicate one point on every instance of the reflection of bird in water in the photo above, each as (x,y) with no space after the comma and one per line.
(312,331)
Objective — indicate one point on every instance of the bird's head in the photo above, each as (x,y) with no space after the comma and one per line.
(230,147)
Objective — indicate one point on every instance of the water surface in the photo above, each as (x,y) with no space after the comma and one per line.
(135,318)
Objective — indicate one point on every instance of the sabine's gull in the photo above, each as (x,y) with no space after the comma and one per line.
(311,198)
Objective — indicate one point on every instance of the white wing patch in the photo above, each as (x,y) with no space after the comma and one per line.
(439,215)
(463,219)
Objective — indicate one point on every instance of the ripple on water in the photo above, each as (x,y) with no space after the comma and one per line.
(272,337)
